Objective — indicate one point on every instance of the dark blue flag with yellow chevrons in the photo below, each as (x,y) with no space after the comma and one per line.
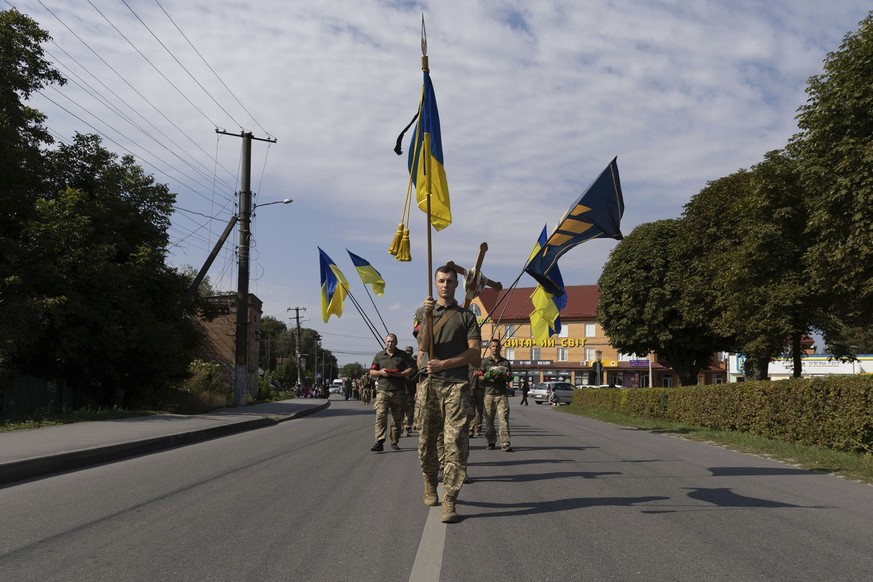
(596,214)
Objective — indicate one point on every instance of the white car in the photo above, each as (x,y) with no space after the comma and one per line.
(541,392)
(336,387)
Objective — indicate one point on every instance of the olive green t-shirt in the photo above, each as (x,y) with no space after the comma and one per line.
(400,361)
(493,386)
(451,340)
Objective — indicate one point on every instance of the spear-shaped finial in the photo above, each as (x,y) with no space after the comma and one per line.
(424,66)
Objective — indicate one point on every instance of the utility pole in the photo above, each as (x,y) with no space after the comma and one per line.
(297,311)
(240,377)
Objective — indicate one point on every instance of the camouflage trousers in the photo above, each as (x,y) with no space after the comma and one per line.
(409,415)
(395,402)
(445,410)
(477,396)
(497,406)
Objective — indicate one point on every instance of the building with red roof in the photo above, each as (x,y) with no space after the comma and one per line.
(570,355)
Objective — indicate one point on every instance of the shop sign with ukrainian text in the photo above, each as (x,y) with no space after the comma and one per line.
(563,342)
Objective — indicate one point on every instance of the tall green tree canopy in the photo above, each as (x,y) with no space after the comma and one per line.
(742,245)
(85,294)
(110,320)
(640,302)
(835,148)
(23,70)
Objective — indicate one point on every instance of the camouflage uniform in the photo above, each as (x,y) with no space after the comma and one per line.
(445,400)
(366,389)
(496,402)
(391,393)
(477,401)
(409,420)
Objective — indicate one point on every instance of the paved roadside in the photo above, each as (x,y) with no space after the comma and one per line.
(25,454)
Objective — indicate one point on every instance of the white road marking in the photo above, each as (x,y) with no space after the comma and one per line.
(429,558)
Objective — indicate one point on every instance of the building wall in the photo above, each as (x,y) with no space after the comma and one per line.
(220,340)
(812,365)
(570,356)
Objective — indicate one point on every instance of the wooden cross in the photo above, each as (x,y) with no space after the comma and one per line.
(474,280)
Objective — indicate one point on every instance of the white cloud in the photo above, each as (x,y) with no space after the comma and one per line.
(535,99)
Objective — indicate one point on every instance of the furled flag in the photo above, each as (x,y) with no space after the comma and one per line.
(334,287)
(426,164)
(596,214)
(545,320)
(369,274)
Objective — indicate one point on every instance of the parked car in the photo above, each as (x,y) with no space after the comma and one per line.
(541,392)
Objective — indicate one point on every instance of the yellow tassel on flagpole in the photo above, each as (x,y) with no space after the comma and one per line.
(404,254)
(395,243)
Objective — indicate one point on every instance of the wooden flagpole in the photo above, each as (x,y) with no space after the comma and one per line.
(425,157)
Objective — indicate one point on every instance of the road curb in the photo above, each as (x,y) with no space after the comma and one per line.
(67,461)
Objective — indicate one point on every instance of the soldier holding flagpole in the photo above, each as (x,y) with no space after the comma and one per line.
(448,335)
(449,340)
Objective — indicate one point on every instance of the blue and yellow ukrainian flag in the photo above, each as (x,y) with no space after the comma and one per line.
(596,214)
(426,163)
(369,274)
(334,287)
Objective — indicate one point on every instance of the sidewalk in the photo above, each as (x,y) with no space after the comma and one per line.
(25,454)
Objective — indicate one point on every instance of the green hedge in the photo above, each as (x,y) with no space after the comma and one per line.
(835,412)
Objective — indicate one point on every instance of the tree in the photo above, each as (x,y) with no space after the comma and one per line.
(851,340)
(271,330)
(743,245)
(352,370)
(96,248)
(23,70)
(640,301)
(835,149)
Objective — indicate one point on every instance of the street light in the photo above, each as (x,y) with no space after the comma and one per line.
(246,209)
(283,201)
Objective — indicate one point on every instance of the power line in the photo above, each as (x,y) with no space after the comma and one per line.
(96,95)
(120,76)
(139,157)
(175,59)
(213,70)
(157,70)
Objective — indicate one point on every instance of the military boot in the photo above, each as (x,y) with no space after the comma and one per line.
(448,514)
(430,493)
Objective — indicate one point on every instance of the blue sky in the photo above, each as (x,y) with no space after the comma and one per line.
(535,99)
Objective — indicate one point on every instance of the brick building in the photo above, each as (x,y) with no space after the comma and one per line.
(571,355)
(220,340)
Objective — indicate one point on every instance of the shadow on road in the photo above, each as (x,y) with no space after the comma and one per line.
(513,509)
(543,476)
(758,471)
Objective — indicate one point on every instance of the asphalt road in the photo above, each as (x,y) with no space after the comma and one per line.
(307,500)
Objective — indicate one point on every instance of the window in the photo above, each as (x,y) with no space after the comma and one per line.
(510,330)
(717,379)
(667,382)
(625,357)
(590,355)
(590,330)
(509,354)
(565,330)
(563,354)
(535,353)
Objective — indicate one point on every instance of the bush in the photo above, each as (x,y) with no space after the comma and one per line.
(833,412)
(204,391)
